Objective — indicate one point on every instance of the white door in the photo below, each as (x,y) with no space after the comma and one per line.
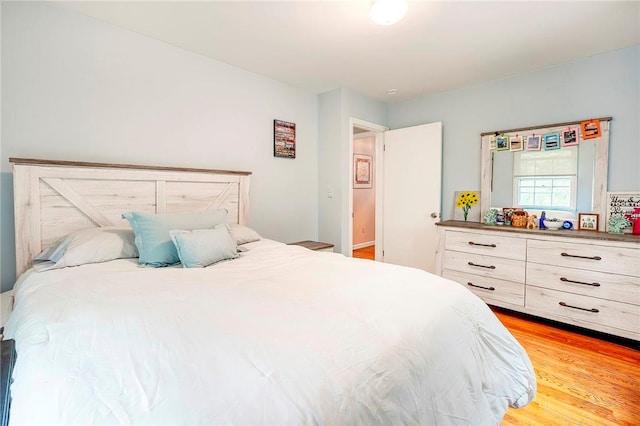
(411,206)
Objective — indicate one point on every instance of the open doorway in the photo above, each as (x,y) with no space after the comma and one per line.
(407,176)
(365,224)
(364,194)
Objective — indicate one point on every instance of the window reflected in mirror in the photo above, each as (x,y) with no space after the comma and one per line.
(557,181)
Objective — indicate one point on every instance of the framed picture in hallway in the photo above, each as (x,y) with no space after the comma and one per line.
(362,171)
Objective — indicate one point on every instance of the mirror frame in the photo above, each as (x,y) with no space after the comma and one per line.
(600,167)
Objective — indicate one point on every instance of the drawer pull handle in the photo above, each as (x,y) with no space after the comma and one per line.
(479,286)
(594,310)
(566,280)
(581,257)
(482,266)
(471,243)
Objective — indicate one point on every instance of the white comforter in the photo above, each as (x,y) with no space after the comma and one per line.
(282,335)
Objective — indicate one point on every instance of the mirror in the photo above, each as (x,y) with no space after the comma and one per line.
(582,190)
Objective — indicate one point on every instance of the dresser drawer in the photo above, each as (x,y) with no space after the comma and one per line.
(620,288)
(623,316)
(486,244)
(489,289)
(486,266)
(619,260)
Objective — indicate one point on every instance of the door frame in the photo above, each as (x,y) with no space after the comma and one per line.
(377,130)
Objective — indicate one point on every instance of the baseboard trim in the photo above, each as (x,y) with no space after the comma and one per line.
(363,245)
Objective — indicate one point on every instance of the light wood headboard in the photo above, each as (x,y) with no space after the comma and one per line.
(54,198)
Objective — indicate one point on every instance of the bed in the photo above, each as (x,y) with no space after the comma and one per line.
(277,334)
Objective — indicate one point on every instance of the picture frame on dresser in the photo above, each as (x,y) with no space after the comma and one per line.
(625,204)
(588,221)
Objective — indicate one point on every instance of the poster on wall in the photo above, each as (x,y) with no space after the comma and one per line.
(361,171)
(625,204)
(284,139)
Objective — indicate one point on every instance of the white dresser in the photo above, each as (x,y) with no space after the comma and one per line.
(587,279)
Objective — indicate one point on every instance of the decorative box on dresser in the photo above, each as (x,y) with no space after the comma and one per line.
(584,278)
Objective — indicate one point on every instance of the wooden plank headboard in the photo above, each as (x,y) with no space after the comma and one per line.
(54,198)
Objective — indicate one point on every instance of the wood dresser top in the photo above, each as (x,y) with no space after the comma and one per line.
(591,235)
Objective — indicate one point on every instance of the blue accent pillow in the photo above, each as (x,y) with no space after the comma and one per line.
(204,247)
(152,232)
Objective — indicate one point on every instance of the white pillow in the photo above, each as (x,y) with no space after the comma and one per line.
(243,234)
(204,247)
(88,246)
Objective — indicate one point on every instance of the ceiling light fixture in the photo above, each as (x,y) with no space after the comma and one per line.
(387,12)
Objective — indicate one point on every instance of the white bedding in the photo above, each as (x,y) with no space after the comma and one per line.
(281,335)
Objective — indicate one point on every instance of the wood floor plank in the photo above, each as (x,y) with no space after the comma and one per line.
(365,253)
(582,380)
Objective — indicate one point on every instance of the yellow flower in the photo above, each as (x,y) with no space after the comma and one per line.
(465,200)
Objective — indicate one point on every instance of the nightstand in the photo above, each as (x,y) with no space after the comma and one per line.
(314,245)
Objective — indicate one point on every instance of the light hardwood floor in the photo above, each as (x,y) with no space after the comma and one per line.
(581,380)
(365,253)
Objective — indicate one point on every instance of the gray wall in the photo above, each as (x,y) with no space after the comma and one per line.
(335,109)
(74,88)
(599,86)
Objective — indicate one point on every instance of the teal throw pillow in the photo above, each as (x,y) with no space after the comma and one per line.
(204,247)
(152,232)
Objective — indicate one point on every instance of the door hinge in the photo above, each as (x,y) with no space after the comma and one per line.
(384,148)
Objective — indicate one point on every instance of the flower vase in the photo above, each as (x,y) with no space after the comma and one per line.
(636,227)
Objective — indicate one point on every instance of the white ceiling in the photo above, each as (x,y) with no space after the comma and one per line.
(439,45)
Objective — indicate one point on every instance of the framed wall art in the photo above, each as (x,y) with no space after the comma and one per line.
(284,139)
(362,171)
(588,221)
